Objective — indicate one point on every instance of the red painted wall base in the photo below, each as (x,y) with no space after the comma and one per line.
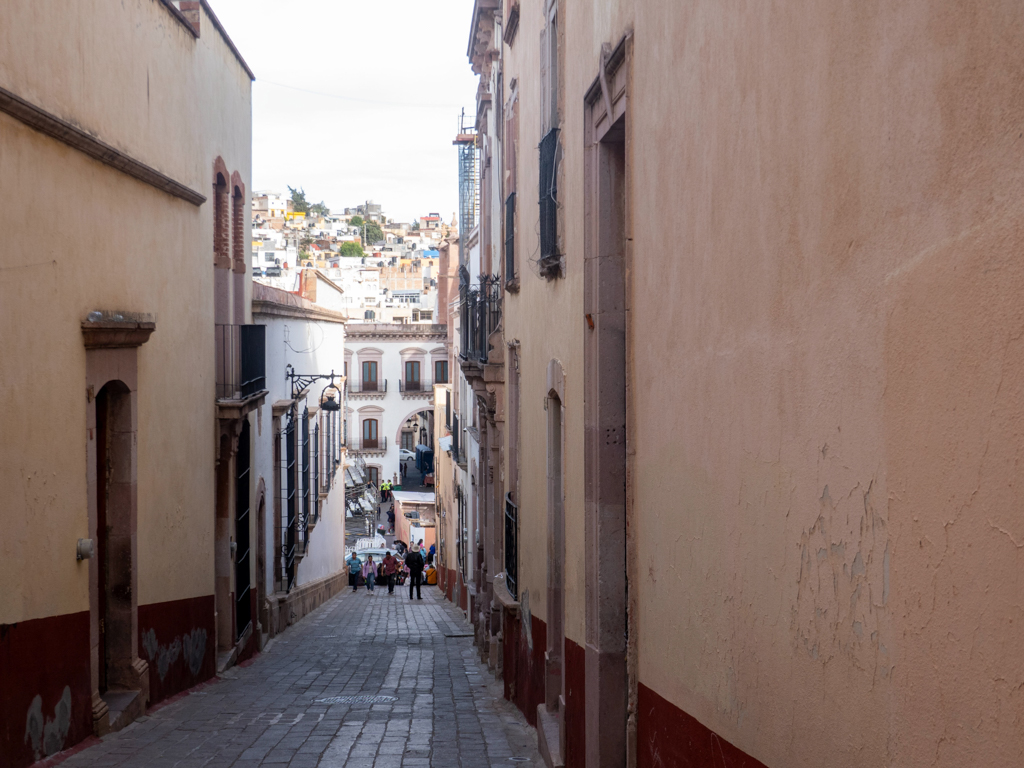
(178,639)
(45,687)
(523,668)
(575,705)
(668,736)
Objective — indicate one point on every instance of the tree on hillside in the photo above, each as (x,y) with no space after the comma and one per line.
(299,202)
(319,209)
(351,248)
(356,221)
(373,233)
(415,226)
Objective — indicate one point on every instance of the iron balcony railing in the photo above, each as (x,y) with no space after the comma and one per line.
(512,546)
(366,387)
(241,352)
(479,316)
(406,386)
(369,444)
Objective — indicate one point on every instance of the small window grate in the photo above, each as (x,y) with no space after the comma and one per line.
(511,546)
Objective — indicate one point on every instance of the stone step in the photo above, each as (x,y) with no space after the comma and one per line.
(123,707)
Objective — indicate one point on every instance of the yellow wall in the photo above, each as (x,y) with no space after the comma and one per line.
(80,236)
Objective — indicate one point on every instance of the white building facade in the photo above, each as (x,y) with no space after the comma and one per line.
(392,369)
(299,458)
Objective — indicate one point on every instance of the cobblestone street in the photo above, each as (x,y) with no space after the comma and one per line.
(366,680)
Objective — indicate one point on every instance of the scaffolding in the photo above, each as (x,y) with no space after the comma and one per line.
(469,175)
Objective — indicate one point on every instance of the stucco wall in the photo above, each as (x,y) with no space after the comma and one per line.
(69,249)
(558,336)
(827,374)
(824,367)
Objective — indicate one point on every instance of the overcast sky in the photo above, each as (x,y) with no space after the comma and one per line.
(357,100)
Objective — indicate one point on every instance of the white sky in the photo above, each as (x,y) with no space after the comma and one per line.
(375,88)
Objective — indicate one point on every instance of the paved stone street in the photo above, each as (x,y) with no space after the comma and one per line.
(363,681)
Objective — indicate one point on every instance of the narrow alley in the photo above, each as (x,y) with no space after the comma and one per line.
(366,680)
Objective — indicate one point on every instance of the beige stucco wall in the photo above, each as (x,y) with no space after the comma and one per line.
(80,236)
(825,368)
(545,317)
(826,360)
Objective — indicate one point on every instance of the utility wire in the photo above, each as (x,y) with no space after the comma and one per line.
(376,102)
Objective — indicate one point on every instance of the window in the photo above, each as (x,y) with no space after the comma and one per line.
(440,371)
(426,314)
(550,259)
(408,441)
(369,433)
(369,376)
(238,229)
(548,196)
(374,475)
(511,141)
(221,223)
(368,315)
(510,238)
(412,375)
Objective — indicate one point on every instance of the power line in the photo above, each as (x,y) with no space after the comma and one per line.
(375,102)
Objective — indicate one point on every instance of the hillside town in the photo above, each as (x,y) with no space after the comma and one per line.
(691,437)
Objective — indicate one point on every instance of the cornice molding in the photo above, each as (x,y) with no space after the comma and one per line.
(116,330)
(40,120)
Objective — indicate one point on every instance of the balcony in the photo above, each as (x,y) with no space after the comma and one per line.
(480,314)
(241,377)
(414,389)
(367,390)
(368,447)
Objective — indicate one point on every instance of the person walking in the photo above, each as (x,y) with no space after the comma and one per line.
(370,574)
(354,568)
(414,562)
(390,566)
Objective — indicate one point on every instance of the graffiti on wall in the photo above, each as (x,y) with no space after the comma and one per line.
(191,647)
(47,735)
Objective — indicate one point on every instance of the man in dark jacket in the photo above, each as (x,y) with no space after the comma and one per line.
(414,562)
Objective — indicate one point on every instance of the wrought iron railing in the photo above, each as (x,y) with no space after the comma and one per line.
(511,546)
(406,386)
(289,542)
(462,532)
(241,354)
(369,444)
(243,602)
(366,387)
(479,315)
(316,473)
(306,510)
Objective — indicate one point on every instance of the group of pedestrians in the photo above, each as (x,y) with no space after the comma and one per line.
(388,571)
(385,491)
